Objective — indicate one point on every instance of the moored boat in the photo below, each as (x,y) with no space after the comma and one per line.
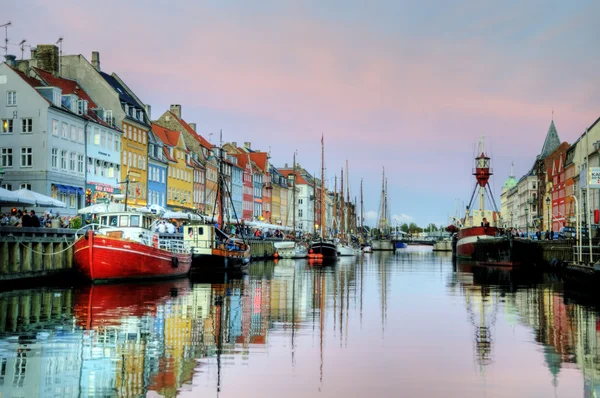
(291,249)
(326,248)
(123,246)
(480,224)
(213,250)
(383,245)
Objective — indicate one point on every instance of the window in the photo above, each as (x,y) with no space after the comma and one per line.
(300,213)
(6,156)
(103,139)
(80,164)
(25,186)
(109,140)
(135,134)
(108,117)
(11,98)
(7,126)
(117,143)
(96,136)
(54,158)
(65,130)
(72,161)
(26,157)
(6,186)
(63,160)
(111,171)
(124,161)
(73,133)
(72,201)
(80,135)
(129,158)
(80,107)
(55,127)
(26,125)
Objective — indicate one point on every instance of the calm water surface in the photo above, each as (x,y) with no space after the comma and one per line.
(409,324)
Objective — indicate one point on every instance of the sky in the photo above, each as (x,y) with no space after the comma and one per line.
(401,85)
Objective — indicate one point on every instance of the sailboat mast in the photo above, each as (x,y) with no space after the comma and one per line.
(347,208)
(362,208)
(294,199)
(323,221)
(220,182)
(342,206)
(334,212)
(382,216)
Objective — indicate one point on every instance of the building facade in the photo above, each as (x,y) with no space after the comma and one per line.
(157,171)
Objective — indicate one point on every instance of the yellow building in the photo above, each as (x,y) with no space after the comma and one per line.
(134,162)
(180,182)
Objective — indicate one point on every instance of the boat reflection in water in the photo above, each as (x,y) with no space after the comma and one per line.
(289,325)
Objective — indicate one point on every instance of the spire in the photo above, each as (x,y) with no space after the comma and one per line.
(512,169)
(552,141)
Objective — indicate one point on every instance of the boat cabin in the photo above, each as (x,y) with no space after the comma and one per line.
(126,225)
(482,217)
(203,238)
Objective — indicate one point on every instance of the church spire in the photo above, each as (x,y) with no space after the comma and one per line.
(551,142)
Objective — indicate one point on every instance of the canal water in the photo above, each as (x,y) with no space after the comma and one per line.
(410,324)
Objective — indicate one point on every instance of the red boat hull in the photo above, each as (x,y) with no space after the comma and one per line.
(105,258)
(467,236)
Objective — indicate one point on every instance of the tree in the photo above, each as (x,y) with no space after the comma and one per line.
(414,228)
(404,227)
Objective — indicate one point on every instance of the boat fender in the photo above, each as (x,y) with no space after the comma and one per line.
(175,262)
(155,241)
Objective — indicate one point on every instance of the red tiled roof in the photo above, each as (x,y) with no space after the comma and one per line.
(299,178)
(194,134)
(167,136)
(168,155)
(261,160)
(67,86)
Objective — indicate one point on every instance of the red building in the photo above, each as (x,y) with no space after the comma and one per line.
(555,172)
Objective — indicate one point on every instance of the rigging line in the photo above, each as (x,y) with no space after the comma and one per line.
(53,252)
(473,194)
(492,197)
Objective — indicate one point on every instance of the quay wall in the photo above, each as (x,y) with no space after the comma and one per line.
(35,252)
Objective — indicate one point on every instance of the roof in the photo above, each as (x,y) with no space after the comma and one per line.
(551,142)
(124,95)
(167,136)
(261,159)
(30,80)
(193,132)
(299,178)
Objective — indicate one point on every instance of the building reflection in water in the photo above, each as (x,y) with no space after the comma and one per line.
(129,340)
(567,331)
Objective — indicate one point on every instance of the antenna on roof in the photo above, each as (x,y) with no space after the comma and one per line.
(23,45)
(210,137)
(5,26)
(59,42)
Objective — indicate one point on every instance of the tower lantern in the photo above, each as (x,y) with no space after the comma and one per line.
(482,169)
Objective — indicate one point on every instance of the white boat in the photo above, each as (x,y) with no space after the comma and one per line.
(346,250)
(291,249)
(383,245)
(367,249)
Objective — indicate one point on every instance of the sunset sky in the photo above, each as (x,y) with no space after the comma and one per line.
(409,86)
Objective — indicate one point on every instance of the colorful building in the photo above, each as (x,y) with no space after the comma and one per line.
(157,171)
(180,169)
(555,172)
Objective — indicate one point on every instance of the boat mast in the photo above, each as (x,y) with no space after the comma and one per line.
(347,209)
(482,174)
(362,210)
(382,220)
(323,223)
(220,183)
(342,206)
(294,199)
(334,212)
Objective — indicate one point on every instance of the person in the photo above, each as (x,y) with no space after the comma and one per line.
(25,220)
(162,228)
(170,228)
(538,234)
(34,221)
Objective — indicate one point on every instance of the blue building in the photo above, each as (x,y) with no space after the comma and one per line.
(157,171)
(237,187)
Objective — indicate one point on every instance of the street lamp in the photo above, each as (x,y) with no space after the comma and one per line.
(549,219)
(527,222)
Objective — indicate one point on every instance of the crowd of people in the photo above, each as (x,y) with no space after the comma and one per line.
(23,218)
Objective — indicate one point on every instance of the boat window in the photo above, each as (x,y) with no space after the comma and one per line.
(104,220)
(123,220)
(113,221)
(147,222)
(201,231)
(134,221)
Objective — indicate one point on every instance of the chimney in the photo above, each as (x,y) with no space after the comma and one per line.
(148,111)
(247,145)
(47,58)
(176,110)
(96,60)
(10,59)
(193,126)
(286,166)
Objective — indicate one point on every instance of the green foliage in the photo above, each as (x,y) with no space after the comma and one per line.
(76,223)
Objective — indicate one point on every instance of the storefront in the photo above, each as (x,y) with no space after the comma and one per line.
(95,191)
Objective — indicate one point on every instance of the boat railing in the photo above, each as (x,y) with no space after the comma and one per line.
(586,260)
(173,245)
(84,230)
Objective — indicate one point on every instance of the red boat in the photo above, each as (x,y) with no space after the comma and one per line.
(124,247)
(481,223)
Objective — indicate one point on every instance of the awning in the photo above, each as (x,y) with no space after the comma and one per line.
(69,190)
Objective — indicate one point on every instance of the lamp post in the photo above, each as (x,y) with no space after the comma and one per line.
(549,219)
(527,221)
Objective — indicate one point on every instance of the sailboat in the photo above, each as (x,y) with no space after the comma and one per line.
(212,248)
(383,242)
(343,248)
(292,248)
(321,246)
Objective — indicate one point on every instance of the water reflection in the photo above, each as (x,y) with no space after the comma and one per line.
(289,327)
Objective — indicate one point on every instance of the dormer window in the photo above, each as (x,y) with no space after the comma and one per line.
(57,97)
(82,106)
(108,117)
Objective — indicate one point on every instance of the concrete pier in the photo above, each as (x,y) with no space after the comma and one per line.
(35,252)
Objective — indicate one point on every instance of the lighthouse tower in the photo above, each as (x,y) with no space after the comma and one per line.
(482,174)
